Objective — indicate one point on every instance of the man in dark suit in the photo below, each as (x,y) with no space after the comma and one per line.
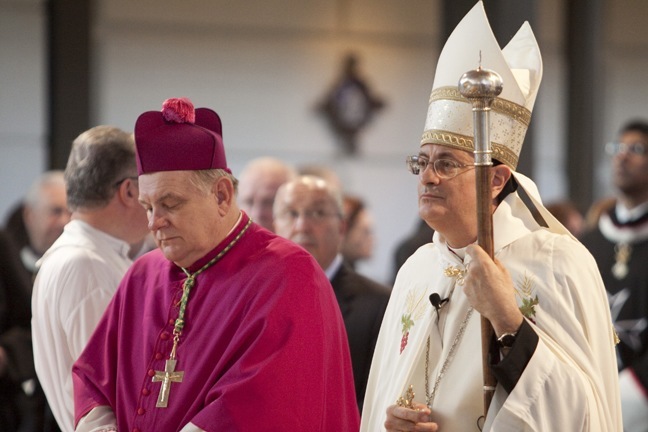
(619,243)
(308,211)
(16,364)
(38,220)
(31,228)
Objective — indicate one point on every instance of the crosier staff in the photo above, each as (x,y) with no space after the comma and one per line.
(481,87)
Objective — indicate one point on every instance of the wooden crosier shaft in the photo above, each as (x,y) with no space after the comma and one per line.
(481,87)
(483,181)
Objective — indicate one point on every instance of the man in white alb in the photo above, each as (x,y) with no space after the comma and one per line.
(553,354)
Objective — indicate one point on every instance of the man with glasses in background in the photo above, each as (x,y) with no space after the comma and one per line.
(309,211)
(80,272)
(39,219)
(620,246)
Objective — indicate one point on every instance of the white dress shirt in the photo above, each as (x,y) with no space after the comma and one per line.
(77,279)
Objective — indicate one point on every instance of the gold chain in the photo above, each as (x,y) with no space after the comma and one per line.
(622,253)
(190,282)
(429,396)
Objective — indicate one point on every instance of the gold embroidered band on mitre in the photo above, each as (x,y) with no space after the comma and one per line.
(462,142)
(449,123)
(499,105)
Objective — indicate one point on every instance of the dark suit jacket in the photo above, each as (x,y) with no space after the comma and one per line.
(15,335)
(19,411)
(362,302)
(16,232)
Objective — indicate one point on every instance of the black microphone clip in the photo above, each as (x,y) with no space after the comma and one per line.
(437,301)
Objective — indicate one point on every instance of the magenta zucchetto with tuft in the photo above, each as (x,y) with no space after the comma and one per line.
(179,138)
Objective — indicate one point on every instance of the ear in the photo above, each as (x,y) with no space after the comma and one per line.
(501,175)
(127,193)
(224,192)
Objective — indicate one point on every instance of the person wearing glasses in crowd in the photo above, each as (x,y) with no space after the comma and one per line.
(619,244)
(39,219)
(553,346)
(226,326)
(80,272)
(309,211)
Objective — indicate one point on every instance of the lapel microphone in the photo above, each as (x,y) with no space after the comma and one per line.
(437,301)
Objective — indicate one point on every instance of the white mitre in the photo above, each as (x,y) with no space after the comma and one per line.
(471,44)
(449,119)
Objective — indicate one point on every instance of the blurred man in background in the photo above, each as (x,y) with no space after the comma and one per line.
(39,220)
(309,211)
(620,246)
(258,186)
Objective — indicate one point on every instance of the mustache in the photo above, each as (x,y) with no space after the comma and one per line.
(429,189)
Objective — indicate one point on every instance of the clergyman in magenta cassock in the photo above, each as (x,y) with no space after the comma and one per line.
(254,340)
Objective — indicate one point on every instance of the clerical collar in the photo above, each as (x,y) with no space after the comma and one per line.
(625,215)
(29,259)
(333,267)
(238,221)
(628,233)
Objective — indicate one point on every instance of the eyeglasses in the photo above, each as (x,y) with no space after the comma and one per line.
(443,168)
(116,184)
(615,147)
(311,215)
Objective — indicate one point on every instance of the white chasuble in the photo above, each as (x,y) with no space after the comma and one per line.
(570,382)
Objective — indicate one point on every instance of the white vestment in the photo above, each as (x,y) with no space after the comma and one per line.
(570,382)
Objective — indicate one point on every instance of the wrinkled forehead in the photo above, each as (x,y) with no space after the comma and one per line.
(307,196)
(160,183)
(51,195)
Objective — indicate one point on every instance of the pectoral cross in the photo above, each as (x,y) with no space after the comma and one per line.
(167,377)
(407,400)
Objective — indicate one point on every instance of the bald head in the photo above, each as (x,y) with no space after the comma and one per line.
(323,172)
(258,184)
(308,211)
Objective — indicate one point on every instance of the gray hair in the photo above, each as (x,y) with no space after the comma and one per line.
(48,178)
(100,158)
(204,179)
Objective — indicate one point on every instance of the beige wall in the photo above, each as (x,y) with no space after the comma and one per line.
(264,68)
(22,98)
(264,65)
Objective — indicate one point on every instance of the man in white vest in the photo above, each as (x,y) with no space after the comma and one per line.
(553,348)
